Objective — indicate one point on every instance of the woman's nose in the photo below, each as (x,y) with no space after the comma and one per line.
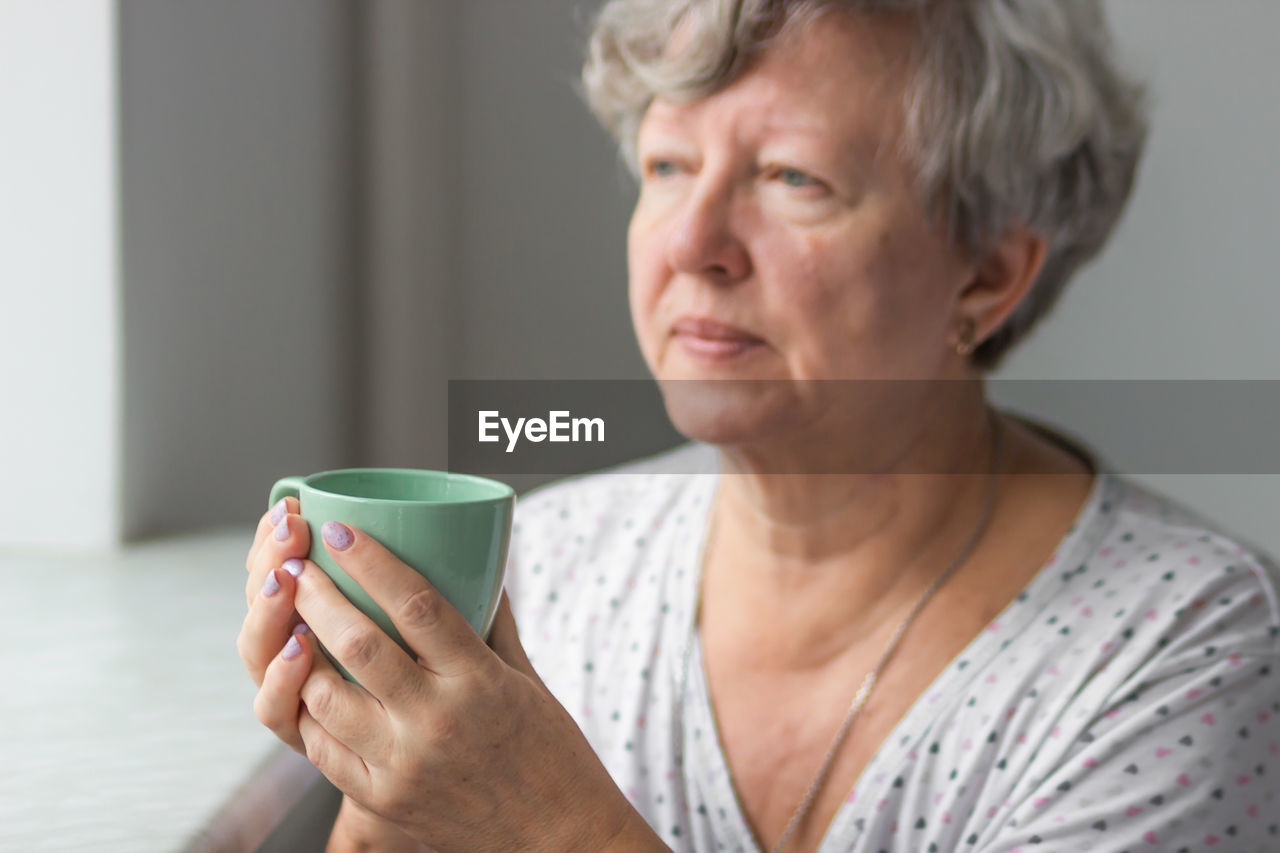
(703,240)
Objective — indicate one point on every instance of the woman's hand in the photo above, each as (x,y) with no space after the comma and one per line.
(461,746)
(281,541)
(358,830)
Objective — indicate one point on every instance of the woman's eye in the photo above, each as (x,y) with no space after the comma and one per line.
(662,168)
(796,178)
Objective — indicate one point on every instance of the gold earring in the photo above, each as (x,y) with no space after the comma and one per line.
(967,331)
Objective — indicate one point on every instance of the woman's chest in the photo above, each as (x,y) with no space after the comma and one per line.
(779,733)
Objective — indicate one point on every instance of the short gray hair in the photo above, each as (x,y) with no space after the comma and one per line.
(1016,112)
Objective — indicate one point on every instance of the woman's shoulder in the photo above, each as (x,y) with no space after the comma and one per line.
(1144,512)
(1186,568)
(1143,679)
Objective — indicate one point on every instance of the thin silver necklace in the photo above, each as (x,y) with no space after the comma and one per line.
(869,681)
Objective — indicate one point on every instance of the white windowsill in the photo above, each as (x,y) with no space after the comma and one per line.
(126,720)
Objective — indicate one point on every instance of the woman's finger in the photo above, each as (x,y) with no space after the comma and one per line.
(271,617)
(277,704)
(375,660)
(334,759)
(346,710)
(267,523)
(289,539)
(445,642)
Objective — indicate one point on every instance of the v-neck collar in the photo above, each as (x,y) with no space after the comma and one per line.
(709,769)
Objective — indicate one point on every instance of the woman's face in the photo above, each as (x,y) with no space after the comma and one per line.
(778,236)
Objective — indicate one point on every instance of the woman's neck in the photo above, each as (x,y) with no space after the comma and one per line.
(848,550)
(813,565)
(811,501)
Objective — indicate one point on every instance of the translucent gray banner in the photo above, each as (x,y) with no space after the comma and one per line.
(551,428)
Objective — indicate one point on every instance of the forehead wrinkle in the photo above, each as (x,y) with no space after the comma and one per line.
(838,81)
(768,111)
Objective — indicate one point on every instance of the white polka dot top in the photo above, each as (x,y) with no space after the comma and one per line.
(1126,700)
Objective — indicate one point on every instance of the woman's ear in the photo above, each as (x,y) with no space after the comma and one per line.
(1002,279)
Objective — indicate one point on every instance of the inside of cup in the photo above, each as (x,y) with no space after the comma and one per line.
(408,485)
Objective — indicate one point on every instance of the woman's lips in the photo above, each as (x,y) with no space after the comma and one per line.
(712,341)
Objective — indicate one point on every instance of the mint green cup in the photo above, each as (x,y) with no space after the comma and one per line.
(454,529)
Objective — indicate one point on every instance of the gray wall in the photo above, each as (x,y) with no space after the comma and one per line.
(544,206)
(409,234)
(1188,288)
(240,328)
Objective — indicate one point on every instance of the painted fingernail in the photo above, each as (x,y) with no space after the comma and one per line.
(270,586)
(282,529)
(292,648)
(337,534)
(294,566)
(279,511)
(300,629)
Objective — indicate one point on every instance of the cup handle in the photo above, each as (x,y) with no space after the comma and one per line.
(285,487)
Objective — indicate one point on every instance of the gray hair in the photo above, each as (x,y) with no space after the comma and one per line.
(1016,113)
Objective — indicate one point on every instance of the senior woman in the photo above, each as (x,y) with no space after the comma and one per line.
(888,617)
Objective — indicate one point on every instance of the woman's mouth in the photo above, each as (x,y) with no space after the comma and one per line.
(709,340)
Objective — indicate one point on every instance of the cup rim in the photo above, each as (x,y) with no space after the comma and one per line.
(505,489)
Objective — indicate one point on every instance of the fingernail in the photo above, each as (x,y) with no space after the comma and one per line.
(279,511)
(292,648)
(294,566)
(337,534)
(270,586)
(300,629)
(282,529)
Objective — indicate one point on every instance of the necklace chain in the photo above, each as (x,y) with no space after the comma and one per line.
(869,681)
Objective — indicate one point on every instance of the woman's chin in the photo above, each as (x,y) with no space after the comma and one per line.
(729,411)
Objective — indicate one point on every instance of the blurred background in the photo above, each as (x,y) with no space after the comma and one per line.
(242,239)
